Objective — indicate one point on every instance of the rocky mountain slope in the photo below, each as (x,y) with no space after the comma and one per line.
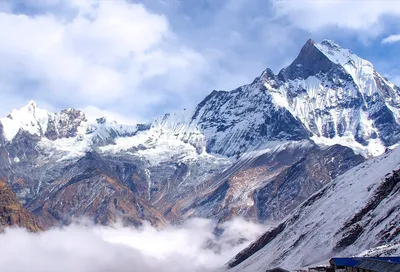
(12,213)
(357,211)
(257,151)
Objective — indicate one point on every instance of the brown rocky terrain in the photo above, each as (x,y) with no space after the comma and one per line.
(12,213)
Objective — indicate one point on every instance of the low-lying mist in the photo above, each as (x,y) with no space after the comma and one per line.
(193,246)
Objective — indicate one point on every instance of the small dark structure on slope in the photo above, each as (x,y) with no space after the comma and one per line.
(277,269)
(370,264)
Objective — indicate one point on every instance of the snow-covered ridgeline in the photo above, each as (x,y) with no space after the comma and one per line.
(339,99)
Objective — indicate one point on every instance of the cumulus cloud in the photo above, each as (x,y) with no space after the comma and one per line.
(391,39)
(314,15)
(104,53)
(194,246)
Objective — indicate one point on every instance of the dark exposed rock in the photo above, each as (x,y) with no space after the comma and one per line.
(309,62)
(65,124)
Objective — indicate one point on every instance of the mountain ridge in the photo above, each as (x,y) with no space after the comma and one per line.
(358,90)
(271,141)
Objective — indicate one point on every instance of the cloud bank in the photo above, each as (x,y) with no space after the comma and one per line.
(96,53)
(134,60)
(191,247)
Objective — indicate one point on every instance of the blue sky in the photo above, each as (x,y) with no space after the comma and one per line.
(134,60)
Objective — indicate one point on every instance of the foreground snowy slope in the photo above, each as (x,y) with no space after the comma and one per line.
(357,211)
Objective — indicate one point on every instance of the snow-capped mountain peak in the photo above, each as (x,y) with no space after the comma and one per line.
(328,93)
(29,118)
(41,123)
(339,98)
(31,104)
(361,70)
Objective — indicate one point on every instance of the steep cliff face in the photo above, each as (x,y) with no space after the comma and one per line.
(12,213)
(244,120)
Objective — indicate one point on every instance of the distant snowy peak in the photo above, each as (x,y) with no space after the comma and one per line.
(29,118)
(39,122)
(68,129)
(327,93)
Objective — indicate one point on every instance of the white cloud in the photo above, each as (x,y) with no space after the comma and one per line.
(92,113)
(391,39)
(314,15)
(108,53)
(190,247)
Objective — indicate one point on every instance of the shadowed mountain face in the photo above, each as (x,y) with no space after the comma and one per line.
(257,151)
